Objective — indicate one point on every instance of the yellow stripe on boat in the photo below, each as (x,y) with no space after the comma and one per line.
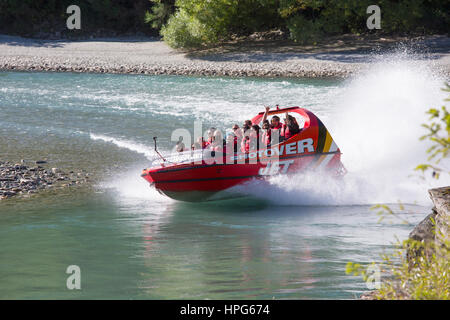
(326,148)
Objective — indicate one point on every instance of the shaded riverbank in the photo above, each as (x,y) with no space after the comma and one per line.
(338,58)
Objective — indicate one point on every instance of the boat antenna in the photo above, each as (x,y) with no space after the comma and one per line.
(156,150)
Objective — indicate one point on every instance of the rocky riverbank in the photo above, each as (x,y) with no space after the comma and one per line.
(18,179)
(335,59)
(433,232)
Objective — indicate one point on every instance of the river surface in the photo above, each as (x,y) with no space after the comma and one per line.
(291,240)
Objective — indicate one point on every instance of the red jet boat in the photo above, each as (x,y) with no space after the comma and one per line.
(198,176)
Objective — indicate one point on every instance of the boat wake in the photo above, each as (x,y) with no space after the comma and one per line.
(127,144)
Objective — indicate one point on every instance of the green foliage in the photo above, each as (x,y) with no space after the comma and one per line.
(439,135)
(32,17)
(183,30)
(427,277)
(205,22)
(308,20)
(208,22)
(160,13)
(303,30)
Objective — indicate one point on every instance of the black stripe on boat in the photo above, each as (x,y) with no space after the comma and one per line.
(322,137)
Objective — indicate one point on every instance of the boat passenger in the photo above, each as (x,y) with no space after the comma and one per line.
(180,147)
(201,141)
(247,125)
(196,146)
(275,123)
(276,127)
(217,143)
(210,136)
(290,127)
(245,144)
(234,138)
(250,142)
(266,134)
(254,137)
(238,132)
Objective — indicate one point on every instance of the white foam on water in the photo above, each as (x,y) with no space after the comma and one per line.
(127,144)
(129,186)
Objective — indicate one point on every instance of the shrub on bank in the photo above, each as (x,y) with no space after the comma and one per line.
(425,276)
(305,20)
(205,22)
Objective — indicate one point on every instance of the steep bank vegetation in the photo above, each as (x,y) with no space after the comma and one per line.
(193,23)
(205,22)
(47,18)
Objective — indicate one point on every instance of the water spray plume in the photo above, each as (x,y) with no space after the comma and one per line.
(376,122)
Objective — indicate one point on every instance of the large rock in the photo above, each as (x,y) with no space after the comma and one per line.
(441,200)
(424,231)
(434,229)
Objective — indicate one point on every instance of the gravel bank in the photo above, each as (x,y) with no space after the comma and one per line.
(154,57)
(20,179)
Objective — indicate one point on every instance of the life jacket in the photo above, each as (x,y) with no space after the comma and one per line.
(266,137)
(205,144)
(245,145)
(279,126)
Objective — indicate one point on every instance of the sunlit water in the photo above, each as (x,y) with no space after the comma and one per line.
(286,238)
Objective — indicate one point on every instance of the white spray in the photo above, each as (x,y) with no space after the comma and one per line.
(377,124)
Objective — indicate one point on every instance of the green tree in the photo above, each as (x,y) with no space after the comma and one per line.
(159,13)
(205,22)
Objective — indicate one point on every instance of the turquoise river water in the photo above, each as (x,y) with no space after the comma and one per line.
(289,239)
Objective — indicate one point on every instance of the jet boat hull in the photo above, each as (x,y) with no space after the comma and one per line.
(199,179)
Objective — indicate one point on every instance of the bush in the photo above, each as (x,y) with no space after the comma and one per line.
(303,30)
(204,22)
(160,13)
(425,277)
(307,20)
(185,31)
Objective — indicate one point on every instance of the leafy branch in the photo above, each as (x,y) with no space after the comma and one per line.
(439,135)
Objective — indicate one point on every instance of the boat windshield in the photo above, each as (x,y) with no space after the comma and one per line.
(180,157)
